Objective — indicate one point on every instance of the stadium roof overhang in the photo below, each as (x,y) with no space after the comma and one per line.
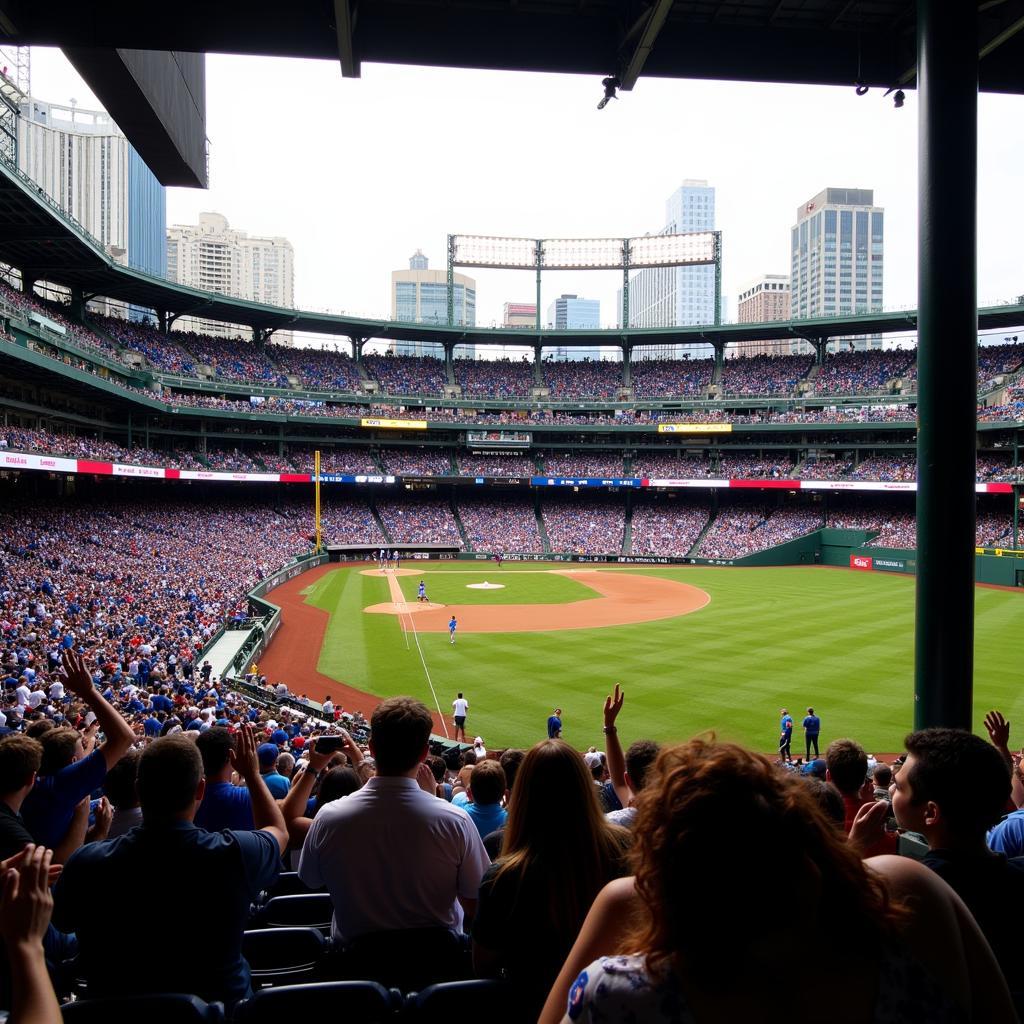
(822,42)
(43,243)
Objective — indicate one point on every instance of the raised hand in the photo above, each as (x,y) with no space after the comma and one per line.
(243,756)
(998,730)
(869,826)
(25,899)
(425,779)
(76,676)
(612,706)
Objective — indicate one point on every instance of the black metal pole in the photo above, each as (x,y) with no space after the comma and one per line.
(947,79)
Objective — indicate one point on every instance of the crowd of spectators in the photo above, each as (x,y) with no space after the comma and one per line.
(998,360)
(850,373)
(158,348)
(495,378)
(743,529)
(763,375)
(317,369)
(350,521)
(419,520)
(498,526)
(80,446)
(825,468)
(577,464)
(666,528)
(581,378)
(667,378)
(656,466)
(416,461)
(890,468)
(235,359)
(755,467)
(357,460)
(584,525)
(496,464)
(407,375)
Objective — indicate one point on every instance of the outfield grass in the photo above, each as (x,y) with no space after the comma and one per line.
(451,587)
(840,640)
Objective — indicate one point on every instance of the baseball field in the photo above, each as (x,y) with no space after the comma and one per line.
(695,648)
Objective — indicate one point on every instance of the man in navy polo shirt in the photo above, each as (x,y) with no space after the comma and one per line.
(92,900)
(812,729)
(224,805)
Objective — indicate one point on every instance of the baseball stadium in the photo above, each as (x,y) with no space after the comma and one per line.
(215,532)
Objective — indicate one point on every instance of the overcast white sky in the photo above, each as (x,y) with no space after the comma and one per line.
(360,173)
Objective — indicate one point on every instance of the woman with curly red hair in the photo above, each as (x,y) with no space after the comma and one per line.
(734,863)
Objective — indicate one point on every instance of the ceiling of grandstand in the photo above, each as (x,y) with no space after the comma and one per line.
(827,42)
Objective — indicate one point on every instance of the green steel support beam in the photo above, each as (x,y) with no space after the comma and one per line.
(947,61)
(539,256)
(625,283)
(451,280)
(1016,517)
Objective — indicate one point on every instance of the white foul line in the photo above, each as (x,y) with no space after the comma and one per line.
(398,599)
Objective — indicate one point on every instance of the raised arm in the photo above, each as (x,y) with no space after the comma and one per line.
(293,806)
(613,748)
(999,733)
(266,815)
(119,735)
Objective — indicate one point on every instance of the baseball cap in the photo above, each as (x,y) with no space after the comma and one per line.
(592,757)
(279,736)
(267,754)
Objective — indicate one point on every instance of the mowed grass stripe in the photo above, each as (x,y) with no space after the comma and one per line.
(794,636)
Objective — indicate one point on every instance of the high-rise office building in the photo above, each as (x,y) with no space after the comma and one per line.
(570,312)
(763,300)
(676,296)
(83,161)
(519,314)
(420,295)
(215,257)
(836,251)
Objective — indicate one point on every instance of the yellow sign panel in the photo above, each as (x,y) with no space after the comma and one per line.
(694,428)
(395,424)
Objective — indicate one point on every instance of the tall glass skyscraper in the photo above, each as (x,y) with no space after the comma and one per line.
(570,312)
(676,296)
(836,249)
(420,295)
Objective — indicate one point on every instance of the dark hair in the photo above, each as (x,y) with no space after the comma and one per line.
(58,749)
(400,730)
(468,758)
(38,727)
(169,773)
(338,782)
(510,761)
(119,785)
(487,783)
(459,694)
(705,807)
(639,757)
(960,772)
(558,838)
(437,766)
(215,746)
(20,756)
(847,765)
(828,799)
(882,775)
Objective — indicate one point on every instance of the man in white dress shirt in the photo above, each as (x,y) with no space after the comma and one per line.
(393,855)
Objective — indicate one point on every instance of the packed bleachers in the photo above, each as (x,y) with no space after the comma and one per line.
(998,360)
(407,375)
(495,464)
(584,525)
(892,468)
(667,528)
(825,468)
(767,467)
(575,464)
(494,378)
(745,528)
(656,466)
(317,369)
(350,521)
(763,375)
(159,349)
(347,459)
(582,378)
(850,373)
(416,461)
(419,521)
(232,358)
(500,526)
(663,378)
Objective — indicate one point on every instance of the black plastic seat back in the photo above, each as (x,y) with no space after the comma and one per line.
(362,1001)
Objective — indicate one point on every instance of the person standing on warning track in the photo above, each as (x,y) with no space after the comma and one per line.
(812,729)
(421,591)
(785,736)
(452,626)
(459,708)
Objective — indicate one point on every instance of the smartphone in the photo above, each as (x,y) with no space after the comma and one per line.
(329,744)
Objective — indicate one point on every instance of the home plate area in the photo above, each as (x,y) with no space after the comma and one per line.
(485,586)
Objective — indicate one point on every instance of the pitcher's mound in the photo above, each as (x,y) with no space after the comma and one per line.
(485,586)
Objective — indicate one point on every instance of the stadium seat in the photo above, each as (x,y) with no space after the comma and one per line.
(283,955)
(358,1001)
(288,884)
(489,1000)
(159,1008)
(306,910)
(408,959)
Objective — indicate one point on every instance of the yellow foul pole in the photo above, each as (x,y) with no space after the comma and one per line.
(316,492)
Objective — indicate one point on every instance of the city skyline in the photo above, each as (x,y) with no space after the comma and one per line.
(336,210)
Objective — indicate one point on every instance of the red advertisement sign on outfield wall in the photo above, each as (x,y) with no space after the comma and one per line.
(861,562)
